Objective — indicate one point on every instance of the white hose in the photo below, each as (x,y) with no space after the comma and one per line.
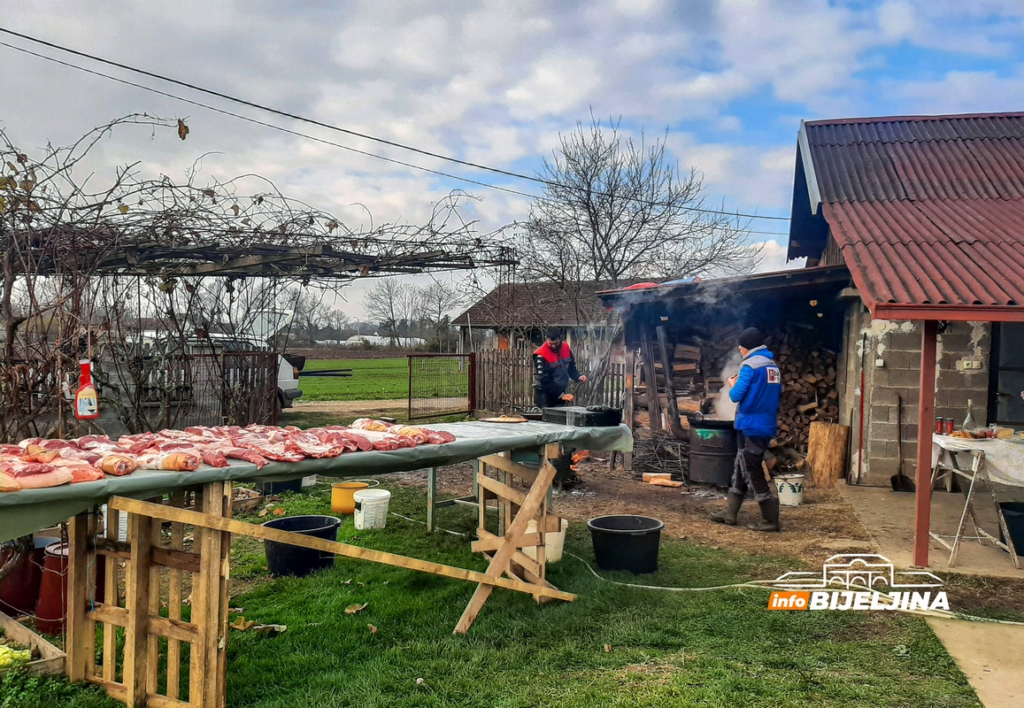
(766,585)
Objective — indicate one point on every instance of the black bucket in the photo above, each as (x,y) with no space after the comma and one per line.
(285,559)
(1013,514)
(629,543)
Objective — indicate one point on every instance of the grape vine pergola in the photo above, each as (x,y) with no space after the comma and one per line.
(135,271)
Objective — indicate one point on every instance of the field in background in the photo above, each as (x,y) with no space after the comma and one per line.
(372,380)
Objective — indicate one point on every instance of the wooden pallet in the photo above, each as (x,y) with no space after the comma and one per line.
(153,571)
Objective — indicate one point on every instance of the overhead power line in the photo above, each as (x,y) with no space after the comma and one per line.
(306,136)
(311,121)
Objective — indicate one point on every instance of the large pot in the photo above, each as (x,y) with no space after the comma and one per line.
(712,450)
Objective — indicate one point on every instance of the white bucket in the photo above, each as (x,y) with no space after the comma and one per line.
(309,481)
(554,542)
(371,508)
(791,489)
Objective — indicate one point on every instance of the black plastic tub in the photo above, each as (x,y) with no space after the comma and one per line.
(285,559)
(1013,513)
(629,543)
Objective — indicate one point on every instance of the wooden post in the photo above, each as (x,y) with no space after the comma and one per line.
(81,649)
(627,457)
(137,589)
(651,380)
(925,423)
(431,497)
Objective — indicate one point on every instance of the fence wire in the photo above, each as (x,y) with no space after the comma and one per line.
(441,385)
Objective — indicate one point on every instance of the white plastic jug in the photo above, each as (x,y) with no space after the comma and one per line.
(371,508)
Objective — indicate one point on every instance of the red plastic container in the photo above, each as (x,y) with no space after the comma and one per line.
(53,590)
(19,590)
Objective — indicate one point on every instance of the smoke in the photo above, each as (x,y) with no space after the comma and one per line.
(724,408)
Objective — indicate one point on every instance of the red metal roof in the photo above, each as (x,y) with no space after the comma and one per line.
(927,211)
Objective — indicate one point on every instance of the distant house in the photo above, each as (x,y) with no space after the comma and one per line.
(517,314)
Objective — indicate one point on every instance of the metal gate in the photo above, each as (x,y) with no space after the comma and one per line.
(441,384)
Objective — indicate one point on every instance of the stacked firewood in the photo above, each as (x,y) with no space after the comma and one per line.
(808,387)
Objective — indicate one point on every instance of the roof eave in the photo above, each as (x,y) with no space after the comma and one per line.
(813,193)
(947,313)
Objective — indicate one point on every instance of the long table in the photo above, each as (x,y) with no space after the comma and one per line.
(127,626)
(30,510)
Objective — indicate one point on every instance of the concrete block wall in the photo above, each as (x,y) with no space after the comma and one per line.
(893,372)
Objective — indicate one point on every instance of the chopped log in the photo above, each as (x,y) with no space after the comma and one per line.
(826,453)
(807,407)
(660,482)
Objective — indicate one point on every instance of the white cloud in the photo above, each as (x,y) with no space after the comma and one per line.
(554,85)
(495,82)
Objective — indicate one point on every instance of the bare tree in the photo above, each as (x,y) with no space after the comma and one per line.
(437,301)
(614,208)
(311,312)
(392,305)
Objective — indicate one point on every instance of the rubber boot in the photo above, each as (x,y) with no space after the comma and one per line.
(728,515)
(770,516)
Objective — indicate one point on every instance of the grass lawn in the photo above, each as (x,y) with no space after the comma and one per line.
(614,646)
(372,380)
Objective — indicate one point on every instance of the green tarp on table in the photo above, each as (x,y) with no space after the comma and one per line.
(30,510)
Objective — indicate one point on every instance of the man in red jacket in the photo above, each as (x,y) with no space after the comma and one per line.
(553,366)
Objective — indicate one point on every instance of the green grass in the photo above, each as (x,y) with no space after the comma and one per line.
(380,379)
(18,690)
(665,649)
(372,380)
(615,646)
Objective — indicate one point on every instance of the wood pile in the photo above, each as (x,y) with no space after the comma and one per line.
(808,387)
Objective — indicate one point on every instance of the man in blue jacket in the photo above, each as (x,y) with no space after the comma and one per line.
(755,390)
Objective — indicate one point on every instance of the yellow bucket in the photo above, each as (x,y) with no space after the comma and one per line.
(342,500)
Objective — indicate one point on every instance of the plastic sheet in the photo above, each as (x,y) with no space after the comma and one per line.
(30,510)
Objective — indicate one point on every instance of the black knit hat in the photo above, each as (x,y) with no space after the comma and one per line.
(554,333)
(751,338)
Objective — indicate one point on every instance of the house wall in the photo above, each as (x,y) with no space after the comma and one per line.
(892,372)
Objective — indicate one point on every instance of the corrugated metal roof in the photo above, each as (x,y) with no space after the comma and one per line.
(539,305)
(968,253)
(928,211)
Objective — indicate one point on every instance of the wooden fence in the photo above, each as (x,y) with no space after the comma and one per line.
(505,382)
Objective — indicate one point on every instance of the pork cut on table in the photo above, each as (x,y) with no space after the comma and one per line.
(54,478)
(170,461)
(118,465)
(239,453)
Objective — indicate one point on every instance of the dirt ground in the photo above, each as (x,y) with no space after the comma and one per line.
(822,526)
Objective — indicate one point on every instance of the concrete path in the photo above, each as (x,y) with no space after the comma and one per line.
(889,518)
(991,657)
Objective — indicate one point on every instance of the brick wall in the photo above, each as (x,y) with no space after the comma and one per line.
(892,372)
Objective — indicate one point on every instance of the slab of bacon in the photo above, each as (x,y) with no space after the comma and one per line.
(8,483)
(54,478)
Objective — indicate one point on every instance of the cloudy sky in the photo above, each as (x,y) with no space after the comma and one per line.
(495,83)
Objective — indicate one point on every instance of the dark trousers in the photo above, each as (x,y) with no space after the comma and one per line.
(748,471)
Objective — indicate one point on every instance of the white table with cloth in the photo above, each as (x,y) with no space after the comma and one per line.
(995,464)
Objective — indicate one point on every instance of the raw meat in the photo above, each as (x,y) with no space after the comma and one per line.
(118,465)
(238,453)
(53,478)
(85,473)
(8,483)
(170,461)
(215,458)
